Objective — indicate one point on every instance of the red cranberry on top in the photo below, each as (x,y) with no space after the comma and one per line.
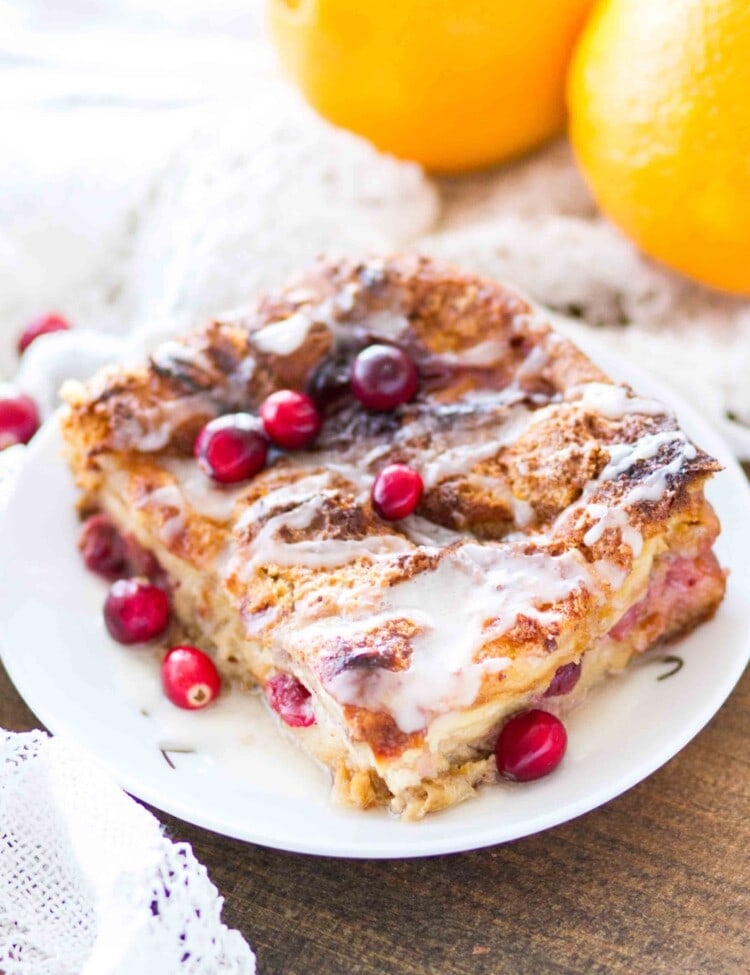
(43,325)
(396,491)
(290,419)
(189,678)
(19,418)
(136,611)
(530,745)
(232,448)
(383,377)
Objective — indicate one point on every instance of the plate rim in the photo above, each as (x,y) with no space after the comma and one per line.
(413,845)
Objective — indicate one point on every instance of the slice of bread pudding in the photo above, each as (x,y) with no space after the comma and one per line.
(562,529)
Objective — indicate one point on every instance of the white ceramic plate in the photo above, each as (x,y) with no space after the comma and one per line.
(244,780)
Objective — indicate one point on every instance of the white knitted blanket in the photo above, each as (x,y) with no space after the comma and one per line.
(136,194)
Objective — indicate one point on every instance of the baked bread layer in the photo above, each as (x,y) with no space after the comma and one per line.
(563,519)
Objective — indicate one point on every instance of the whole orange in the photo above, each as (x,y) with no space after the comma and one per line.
(453,85)
(659,97)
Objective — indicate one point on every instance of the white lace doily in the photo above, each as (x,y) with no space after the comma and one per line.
(88,883)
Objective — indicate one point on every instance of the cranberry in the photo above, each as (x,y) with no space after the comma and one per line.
(19,419)
(330,379)
(232,448)
(141,562)
(189,678)
(41,326)
(565,679)
(103,548)
(115,556)
(397,491)
(290,419)
(290,700)
(136,611)
(383,377)
(530,745)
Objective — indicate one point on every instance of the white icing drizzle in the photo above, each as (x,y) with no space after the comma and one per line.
(386,324)
(201,493)
(442,461)
(613,575)
(486,353)
(614,401)
(343,301)
(299,296)
(168,496)
(652,487)
(240,376)
(307,495)
(316,485)
(533,364)
(626,455)
(474,595)
(284,337)
(523,512)
(428,534)
(152,428)
(316,553)
(171,352)
(608,517)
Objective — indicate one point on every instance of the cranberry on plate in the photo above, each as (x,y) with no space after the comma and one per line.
(19,418)
(396,491)
(103,548)
(136,611)
(383,377)
(290,419)
(189,678)
(530,745)
(232,448)
(291,700)
(44,325)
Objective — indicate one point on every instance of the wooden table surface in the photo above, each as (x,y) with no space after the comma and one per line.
(654,882)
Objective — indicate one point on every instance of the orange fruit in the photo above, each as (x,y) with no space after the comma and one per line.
(659,97)
(452,85)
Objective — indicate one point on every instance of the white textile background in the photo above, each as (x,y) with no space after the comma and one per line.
(154,164)
(88,884)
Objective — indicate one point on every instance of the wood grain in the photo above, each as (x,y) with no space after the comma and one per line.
(654,882)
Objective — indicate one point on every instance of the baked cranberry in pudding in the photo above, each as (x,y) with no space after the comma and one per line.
(530,746)
(383,377)
(291,700)
(565,679)
(19,419)
(232,448)
(115,556)
(189,678)
(397,491)
(103,548)
(136,611)
(290,419)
